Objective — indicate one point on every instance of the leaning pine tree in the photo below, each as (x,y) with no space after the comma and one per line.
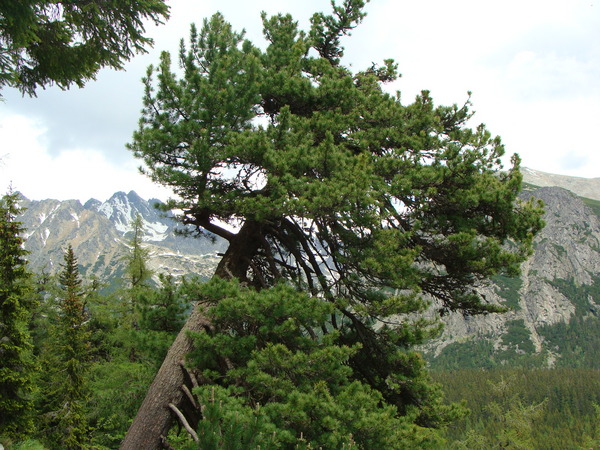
(335,188)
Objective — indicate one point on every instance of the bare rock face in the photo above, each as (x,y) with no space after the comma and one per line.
(566,251)
(52,225)
(568,246)
(99,231)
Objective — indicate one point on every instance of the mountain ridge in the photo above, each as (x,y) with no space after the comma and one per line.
(98,232)
(583,187)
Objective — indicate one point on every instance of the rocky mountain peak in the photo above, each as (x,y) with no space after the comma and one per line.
(122,209)
(98,232)
(92,203)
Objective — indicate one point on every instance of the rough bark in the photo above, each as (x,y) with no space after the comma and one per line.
(154,418)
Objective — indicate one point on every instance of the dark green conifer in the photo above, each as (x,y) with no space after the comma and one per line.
(47,42)
(15,347)
(138,273)
(68,363)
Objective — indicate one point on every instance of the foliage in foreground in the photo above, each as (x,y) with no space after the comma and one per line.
(16,364)
(94,365)
(553,409)
(266,364)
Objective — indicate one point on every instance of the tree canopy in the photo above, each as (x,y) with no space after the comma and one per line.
(342,188)
(335,186)
(44,42)
(16,366)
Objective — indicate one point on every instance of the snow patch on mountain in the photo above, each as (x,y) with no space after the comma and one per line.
(45,235)
(154,231)
(119,211)
(75,217)
(122,209)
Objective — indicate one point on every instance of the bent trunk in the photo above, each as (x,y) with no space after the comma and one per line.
(154,418)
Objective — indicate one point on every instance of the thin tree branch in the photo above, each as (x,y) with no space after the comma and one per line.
(184,422)
(190,396)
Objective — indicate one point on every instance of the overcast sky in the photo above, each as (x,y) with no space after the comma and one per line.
(533,67)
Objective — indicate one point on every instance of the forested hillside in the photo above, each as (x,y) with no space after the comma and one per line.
(552,409)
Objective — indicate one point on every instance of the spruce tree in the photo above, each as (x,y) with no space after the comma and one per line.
(335,186)
(69,363)
(47,42)
(137,273)
(15,347)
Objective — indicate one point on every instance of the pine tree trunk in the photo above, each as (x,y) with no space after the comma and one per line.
(154,418)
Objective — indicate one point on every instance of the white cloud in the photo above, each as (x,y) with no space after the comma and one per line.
(533,68)
(76,173)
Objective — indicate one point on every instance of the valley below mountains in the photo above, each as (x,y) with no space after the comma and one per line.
(554,306)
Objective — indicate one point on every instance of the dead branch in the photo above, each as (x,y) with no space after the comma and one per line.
(184,422)
(190,396)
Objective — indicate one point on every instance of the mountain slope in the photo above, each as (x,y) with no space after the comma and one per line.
(98,232)
(566,261)
(583,187)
